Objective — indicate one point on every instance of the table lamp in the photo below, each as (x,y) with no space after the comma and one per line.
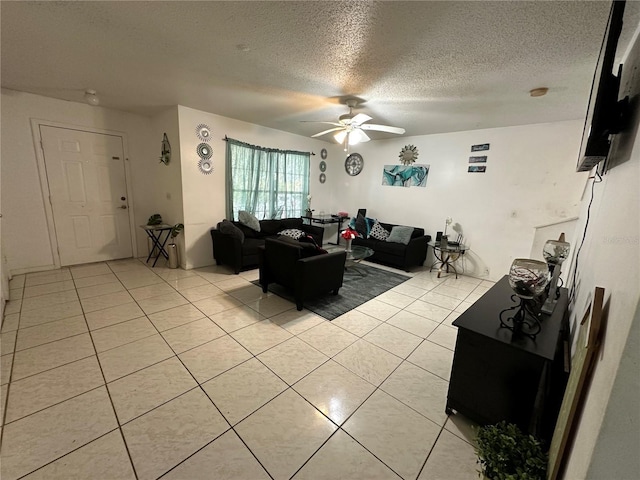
(555,252)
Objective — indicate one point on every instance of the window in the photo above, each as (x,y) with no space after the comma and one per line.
(267,182)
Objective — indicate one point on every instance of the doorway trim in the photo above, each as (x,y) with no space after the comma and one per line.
(36,123)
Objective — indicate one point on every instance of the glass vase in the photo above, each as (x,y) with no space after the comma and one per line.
(528,278)
(348,246)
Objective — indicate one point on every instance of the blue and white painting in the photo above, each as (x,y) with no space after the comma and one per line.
(405,175)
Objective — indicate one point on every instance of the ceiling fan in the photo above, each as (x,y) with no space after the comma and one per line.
(349,127)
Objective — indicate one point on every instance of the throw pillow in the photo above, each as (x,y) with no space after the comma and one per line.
(249,220)
(293,233)
(370,223)
(400,234)
(228,228)
(378,232)
(361,226)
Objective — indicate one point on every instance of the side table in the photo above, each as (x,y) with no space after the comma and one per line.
(446,256)
(325,220)
(155,233)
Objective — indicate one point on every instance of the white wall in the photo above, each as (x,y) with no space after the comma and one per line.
(530,181)
(25,237)
(204,195)
(610,259)
(161,188)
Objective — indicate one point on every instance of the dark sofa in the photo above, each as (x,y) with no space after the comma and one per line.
(303,271)
(243,254)
(395,254)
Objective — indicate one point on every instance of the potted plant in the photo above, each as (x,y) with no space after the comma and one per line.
(505,453)
(172,249)
(309,212)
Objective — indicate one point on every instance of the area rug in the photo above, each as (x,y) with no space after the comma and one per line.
(356,290)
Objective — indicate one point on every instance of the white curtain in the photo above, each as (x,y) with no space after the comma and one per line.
(267,182)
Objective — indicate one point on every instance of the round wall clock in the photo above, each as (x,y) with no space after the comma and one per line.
(323,154)
(323,166)
(323,178)
(354,164)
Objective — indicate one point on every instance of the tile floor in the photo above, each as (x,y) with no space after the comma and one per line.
(119,371)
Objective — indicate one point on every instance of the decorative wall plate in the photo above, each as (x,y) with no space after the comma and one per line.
(323,178)
(203,132)
(354,164)
(204,151)
(323,166)
(205,166)
(408,154)
(323,154)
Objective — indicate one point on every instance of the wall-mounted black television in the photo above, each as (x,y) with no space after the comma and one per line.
(605,114)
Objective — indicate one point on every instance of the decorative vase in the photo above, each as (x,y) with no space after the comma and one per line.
(528,278)
(348,247)
(173,255)
(309,212)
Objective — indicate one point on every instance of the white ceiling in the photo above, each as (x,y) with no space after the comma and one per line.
(428,67)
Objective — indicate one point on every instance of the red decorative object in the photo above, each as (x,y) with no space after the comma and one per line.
(349,234)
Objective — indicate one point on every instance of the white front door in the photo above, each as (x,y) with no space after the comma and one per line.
(88,190)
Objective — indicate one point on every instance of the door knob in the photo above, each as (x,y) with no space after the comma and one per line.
(124,207)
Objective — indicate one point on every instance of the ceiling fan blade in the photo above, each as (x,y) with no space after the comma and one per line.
(327,131)
(360,118)
(318,121)
(383,128)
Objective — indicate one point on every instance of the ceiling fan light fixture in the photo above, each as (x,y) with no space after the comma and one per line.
(340,136)
(91,98)
(355,137)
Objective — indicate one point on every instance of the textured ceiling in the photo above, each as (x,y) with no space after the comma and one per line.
(428,67)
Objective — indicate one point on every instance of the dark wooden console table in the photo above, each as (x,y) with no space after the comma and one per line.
(499,376)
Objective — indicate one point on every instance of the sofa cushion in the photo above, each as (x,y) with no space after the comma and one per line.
(370,223)
(248,232)
(291,223)
(249,220)
(228,228)
(388,248)
(400,234)
(378,232)
(293,233)
(361,226)
(307,244)
(251,246)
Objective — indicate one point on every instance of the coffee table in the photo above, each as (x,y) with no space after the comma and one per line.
(354,257)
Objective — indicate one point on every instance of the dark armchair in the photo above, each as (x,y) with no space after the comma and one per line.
(305,276)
